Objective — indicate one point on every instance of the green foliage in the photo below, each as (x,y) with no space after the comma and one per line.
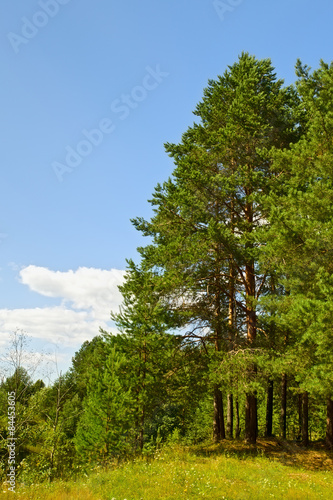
(301,236)
(233,471)
(232,297)
(104,427)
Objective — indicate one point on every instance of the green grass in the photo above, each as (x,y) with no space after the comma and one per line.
(229,471)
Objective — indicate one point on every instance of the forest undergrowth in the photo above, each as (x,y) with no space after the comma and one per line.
(273,468)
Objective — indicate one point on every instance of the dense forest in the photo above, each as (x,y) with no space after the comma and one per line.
(226,325)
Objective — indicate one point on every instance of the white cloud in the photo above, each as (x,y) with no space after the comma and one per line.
(86,298)
(54,324)
(85,289)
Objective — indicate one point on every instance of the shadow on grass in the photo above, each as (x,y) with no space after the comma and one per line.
(315,457)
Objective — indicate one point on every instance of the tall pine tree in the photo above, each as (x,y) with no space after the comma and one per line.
(301,236)
(208,218)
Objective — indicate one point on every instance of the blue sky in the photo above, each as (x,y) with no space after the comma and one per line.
(90,93)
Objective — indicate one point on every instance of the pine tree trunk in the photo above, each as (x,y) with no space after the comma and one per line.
(237,429)
(232,305)
(219,429)
(269,410)
(230,417)
(305,419)
(231,321)
(329,425)
(283,422)
(251,424)
(250,280)
(251,317)
(300,417)
(251,419)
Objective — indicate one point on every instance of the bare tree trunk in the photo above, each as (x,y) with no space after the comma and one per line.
(251,424)
(251,419)
(329,425)
(250,282)
(219,429)
(251,317)
(237,430)
(283,421)
(305,419)
(269,410)
(300,417)
(232,305)
(232,322)
(230,417)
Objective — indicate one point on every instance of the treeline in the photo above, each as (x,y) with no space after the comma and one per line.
(226,325)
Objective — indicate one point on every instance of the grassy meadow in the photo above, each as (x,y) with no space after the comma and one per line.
(272,469)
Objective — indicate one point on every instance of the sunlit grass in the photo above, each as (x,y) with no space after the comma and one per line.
(229,471)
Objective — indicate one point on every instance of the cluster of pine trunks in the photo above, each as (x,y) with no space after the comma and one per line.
(251,420)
